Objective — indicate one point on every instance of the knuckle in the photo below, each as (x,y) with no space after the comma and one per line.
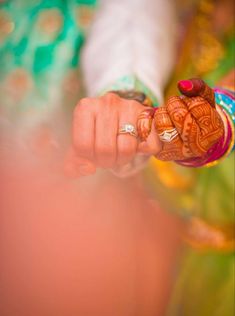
(110,97)
(162,121)
(83,102)
(85,106)
(173,99)
(175,104)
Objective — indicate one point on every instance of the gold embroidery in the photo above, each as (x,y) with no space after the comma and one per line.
(84,15)
(17,84)
(50,21)
(6,25)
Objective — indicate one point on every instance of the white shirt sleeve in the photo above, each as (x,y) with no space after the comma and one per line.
(130,38)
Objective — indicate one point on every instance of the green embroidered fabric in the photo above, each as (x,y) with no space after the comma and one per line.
(40,45)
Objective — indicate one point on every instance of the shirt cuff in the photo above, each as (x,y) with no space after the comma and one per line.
(128,83)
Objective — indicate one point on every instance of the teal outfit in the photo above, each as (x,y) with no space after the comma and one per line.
(40,46)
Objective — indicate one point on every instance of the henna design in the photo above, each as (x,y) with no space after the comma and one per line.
(162,122)
(209,123)
(198,123)
(183,122)
(144,123)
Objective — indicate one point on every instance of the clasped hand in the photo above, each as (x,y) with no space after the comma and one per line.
(185,127)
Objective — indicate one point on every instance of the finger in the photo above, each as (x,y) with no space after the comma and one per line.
(144,123)
(84,132)
(199,108)
(184,123)
(152,145)
(206,117)
(197,87)
(171,150)
(127,144)
(106,139)
(75,166)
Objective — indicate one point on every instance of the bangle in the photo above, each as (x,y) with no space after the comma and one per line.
(134,95)
(226,99)
(228,141)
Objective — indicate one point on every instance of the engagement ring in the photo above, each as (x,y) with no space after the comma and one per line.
(128,129)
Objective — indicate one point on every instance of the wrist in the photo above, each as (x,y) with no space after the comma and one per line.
(130,87)
(134,95)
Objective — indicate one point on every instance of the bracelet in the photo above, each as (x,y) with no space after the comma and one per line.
(228,142)
(134,95)
(226,99)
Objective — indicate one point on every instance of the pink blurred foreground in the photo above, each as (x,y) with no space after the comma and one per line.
(96,246)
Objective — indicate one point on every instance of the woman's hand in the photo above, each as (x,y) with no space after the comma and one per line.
(96,138)
(189,125)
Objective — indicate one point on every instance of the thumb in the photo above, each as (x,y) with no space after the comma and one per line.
(197,88)
(152,145)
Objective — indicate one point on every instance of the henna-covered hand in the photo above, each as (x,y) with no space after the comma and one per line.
(195,119)
(144,123)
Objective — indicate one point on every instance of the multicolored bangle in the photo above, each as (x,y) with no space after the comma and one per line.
(226,99)
(225,105)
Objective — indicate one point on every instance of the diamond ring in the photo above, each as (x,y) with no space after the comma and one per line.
(168,135)
(128,129)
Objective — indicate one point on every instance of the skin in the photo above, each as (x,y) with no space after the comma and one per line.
(195,118)
(199,127)
(96,143)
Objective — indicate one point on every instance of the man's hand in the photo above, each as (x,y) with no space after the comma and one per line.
(96,138)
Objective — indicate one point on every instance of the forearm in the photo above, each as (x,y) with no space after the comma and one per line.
(131,46)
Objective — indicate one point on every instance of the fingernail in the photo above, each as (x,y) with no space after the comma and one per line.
(185,85)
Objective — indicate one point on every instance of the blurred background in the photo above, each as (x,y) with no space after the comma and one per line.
(158,243)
